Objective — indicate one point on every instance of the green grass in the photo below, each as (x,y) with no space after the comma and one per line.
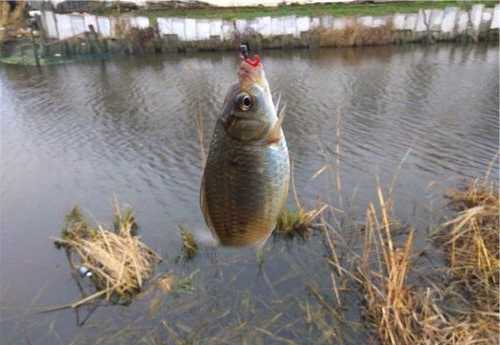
(299,222)
(189,245)
(29,60)
(301,10)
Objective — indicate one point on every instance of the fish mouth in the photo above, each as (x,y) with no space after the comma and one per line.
(251,74)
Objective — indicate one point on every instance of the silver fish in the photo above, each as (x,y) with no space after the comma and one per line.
(247,172)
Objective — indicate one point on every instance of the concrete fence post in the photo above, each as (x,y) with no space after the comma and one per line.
(476,14)
(462,23)
(398,21)
(495,21)
(449,22)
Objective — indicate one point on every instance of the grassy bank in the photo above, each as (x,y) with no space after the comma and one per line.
(301,10)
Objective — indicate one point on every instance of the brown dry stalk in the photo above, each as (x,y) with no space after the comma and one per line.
(4,13)
(12,18)
(406,315)
(355,34)
(11,21)
(471,244)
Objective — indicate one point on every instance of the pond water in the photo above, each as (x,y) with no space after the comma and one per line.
(88,132)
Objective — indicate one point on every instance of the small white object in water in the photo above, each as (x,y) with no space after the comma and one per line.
(57,55)
(84,272)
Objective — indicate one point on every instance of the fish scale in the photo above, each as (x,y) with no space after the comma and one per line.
(245,186)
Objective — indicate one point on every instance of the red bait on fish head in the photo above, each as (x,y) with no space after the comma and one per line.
(252,72)
(254,62)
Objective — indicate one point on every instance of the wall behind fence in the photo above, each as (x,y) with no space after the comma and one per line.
(451,21)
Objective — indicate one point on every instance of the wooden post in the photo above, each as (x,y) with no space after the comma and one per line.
(42,36)
(34,44)
(93,41)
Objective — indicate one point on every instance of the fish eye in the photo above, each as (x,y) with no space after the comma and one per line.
(245,101)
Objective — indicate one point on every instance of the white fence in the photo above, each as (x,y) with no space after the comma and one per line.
(451,20)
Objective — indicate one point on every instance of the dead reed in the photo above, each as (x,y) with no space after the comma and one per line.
(355,34)
(4,13)
(11,20)
(402,313)
(471,244)
(374,36)
(120,263)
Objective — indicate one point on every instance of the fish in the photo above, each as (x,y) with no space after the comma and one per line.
(247,171)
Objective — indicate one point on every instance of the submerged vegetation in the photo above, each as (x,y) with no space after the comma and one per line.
(119,262)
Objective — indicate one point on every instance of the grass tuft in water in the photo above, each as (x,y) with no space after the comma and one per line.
(75,228)
(297,223)
(120,263)
(189,245)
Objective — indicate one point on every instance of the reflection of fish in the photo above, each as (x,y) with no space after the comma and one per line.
(245,182)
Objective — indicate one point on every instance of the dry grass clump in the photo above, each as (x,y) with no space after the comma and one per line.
(355,34)
(120,263)
(337,38)
(15,17)
(292,223)
(11,21)
(401,313)
(4,13)
(471,243)
(375,36)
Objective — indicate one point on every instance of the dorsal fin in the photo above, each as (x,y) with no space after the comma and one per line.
(274,134)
